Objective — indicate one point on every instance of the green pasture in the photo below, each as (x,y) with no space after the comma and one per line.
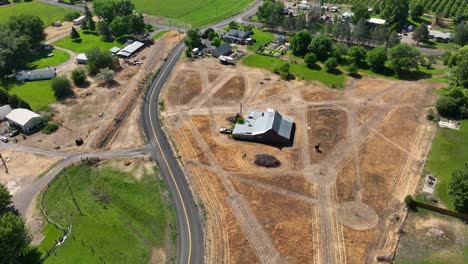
(47,13)
(88,41)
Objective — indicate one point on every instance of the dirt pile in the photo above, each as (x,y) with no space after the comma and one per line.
(268,161)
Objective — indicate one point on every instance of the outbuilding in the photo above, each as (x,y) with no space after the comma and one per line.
(440,36)
(79,20)
(81,59)
(40,74)
(376,21)
(114,50)
(4,111)
(25,120)
(268,127)
(129,50)
(223,50)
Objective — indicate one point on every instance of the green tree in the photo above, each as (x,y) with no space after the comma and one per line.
(74,34)
(109,9)
(352,69)
(284,70)
(14,236)
(104,31)
(360,31)
(403,57)
(360,11)
(5,199)
(193,39)
(300,43)
(377,58)
(460,68)
(78,76)
(447,107)
(207,32)
(27,25)
(321,46)
(460,34)
(342,30)
(421,33)
(212,35)
(105,76)
(233,25)
(358,55)
(392,40)
(98,59)
(395,11)
(340,52)
(310,60)
(61,87)
(216,42)
(331,64)
(458,188)
(119,26)
(271,13)
(417,11)
(15,50)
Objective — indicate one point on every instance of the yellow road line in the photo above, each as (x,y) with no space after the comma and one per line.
(167,164)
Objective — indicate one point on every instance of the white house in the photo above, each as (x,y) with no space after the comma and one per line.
(79,20)
(4,111)
(41,74)
(81,59)
(24,119)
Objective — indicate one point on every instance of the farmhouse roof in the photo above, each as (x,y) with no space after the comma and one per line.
(238,33)
(115,49)
(45,71)
(82,56)
(440,34)
(377,21)
(130,49)
(21,116)
(224,49)
(260,122)
(4,110)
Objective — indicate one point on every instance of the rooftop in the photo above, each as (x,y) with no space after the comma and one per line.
(440,34)
(48,70)
(81,56)
(224,49)
(238,33)
(130,49)
(377,21)
(21,116)
(260,122)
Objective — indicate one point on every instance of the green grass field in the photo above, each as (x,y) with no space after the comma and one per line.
(88,41)
(195,12)
(43,61)
(38,94)
(47,13)
(159,34)
(298,70)
(449,151)
(123,218)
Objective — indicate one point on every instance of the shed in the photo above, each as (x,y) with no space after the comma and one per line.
(81,59)
(4,111)
(267,127)
(114,50)
(347,15)
(79,20)
(376,21)
(40,74)
(24,119)
(223,50)
(130,49)
(440,36)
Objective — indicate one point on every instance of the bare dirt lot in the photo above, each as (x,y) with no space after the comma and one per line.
(336,205)
(97,114)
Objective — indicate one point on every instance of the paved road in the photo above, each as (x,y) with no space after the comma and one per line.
(189,228)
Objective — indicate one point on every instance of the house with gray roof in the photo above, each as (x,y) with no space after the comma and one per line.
(268,127)
(223,50)
(440,36)
(237,36)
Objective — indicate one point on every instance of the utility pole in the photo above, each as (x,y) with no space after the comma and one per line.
(4,163)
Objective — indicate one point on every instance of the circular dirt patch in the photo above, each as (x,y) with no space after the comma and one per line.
(358,216)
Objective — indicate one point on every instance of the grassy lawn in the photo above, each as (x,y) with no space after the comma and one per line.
(159,34)
(38,94)
(43,60)
(88,41)
(449,151)
(47,13)
(195,12)
(123,218)
(261,38)
(298,70)
(436,74)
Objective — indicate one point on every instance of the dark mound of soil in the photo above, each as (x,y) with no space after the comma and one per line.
(266,160)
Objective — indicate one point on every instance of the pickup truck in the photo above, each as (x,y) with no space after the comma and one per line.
(225,130)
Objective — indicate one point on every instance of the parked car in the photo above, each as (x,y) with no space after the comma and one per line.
(14,133)
(4,139)
(224,130)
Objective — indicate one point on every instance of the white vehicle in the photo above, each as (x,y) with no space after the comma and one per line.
(4,139)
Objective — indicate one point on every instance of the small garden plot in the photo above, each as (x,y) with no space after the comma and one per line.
(273,49)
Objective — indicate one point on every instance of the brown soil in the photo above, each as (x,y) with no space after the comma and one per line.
(232,90)
(286,220)
(316,93)
(400,126)
(365,111)
(346,182)
(272,90)
(212,76)
(327,128)
(356,244)
(187,85)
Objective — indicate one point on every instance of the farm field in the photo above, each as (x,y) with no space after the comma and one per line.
(47,13)
(448,8)
(122,204)
(38,94)
(88,41)
(449,151)
(196,12)
(323,207)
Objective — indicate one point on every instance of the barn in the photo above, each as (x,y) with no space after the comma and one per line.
(268,127)
(27,121)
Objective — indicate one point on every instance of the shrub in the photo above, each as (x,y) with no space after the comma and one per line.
(447,107)
(105,76)
(352,69)
(122,39)
(409,201)
(61,86)
(78,76)
(331,64)
(310,60)
(98,59)
(50,128)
